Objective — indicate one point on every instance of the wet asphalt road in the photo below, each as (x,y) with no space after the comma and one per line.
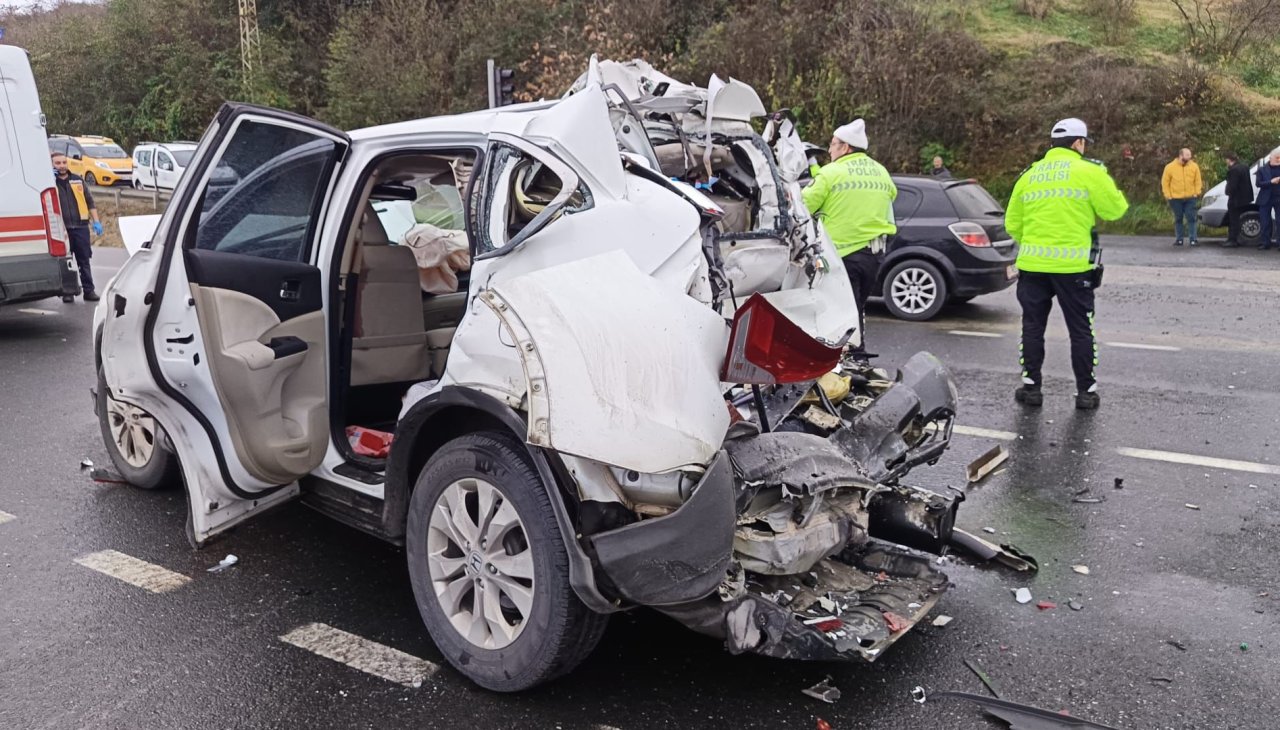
(80,649)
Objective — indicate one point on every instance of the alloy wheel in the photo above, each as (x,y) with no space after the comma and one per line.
(134,432)
(914,290)
(480,563)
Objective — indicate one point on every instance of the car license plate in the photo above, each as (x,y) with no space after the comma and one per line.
(1011,271)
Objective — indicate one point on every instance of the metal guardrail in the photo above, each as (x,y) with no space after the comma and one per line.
(118,193)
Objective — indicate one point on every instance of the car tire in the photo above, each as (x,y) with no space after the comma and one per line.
(90,178)
(137,444)
(1250,229)
(526,645)
(137,184)
(915,290)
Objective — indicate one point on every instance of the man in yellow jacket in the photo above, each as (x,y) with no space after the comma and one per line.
(853,196)
(1051,215)
(1182,186)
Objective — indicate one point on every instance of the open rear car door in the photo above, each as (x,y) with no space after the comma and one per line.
(227,350)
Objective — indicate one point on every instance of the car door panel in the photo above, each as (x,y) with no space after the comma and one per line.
(227,347)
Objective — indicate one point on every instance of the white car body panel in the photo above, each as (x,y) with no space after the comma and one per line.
(631,371)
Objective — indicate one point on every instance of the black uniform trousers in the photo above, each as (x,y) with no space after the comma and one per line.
(82,249)
(863,268)
(1036,292)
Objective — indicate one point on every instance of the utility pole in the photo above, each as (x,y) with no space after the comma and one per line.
(250,45)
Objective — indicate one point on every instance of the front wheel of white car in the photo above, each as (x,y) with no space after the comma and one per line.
(136,443)
(1250,229)
(489,569)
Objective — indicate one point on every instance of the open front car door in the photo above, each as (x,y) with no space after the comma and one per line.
(227,350)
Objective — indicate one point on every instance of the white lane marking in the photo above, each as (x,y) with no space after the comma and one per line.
(37,311)
(985,433)
(1140,346)
(133,571)
(974,333)
(6,517)
(1193,459)
(360,653)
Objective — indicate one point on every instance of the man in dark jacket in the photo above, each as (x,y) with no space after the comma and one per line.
(1239,197)
(939,170)
(1268,197)
(78,213)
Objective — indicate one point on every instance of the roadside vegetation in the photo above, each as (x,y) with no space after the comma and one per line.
(977,81)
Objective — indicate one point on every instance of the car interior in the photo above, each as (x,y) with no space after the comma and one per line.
(402,283)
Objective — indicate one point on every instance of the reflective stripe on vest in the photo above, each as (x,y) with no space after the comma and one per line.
(77,191)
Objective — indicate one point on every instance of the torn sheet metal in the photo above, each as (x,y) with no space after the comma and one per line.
(1024,717)
(606,348)
(800,461)
(914,517)
(1007,555)
(878,593)
(985,464)
(777,543)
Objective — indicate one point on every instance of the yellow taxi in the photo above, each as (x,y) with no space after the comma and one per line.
(99,160)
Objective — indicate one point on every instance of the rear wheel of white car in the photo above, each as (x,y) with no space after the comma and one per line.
(915,290)
(489,569)
(137,444)
(1250,229)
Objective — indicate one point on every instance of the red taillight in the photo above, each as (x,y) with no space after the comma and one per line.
(54,229)
(970,234)
(766,348)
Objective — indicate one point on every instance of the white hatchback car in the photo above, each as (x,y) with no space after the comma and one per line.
(590,419)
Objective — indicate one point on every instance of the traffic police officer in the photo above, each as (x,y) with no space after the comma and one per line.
(853,195)
(1051,215)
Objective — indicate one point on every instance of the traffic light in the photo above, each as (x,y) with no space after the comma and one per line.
(502,85)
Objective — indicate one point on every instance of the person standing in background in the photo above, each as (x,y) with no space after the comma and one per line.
(939,170)
(1239,197)
(1269,198)
(78,213)
(1182,186)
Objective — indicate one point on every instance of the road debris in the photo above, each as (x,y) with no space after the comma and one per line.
(1176,644)
(225,563)
(1025,717)
(823,691)
(86,464)
(1075,605)
(1081,569)
(1188,505)
(1161,679)
(1046,605)
(989,530)
(1119,482)
(1007,555)
(981,673)
(918,695)
(1244,646)
(1090,500)
(1022,595)
(106,476)
(823,724)
(985,464)
(942,620)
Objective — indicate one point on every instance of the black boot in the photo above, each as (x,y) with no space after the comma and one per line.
(91,296)
(1087,401)
(1029,395)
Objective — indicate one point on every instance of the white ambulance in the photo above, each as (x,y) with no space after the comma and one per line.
(34,260)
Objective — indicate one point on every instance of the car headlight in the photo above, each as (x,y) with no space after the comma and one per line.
(103,165)
(1210,200)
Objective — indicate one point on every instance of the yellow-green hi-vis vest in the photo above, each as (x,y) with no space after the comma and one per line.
(1054,207)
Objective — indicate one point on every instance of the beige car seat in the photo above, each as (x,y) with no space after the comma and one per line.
(390,340)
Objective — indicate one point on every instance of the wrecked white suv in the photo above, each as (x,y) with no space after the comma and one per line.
(590,411)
